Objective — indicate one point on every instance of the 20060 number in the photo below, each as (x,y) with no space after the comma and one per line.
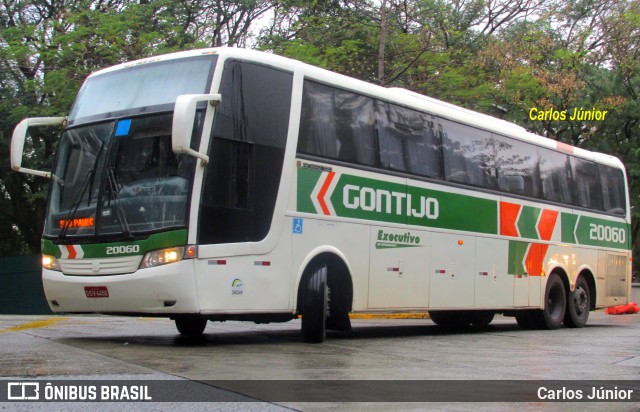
(607,233)
(119,250)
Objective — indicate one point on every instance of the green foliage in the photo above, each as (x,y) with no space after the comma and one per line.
(500,57)
(48,50)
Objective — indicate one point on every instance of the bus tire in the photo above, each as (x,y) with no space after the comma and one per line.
(191,326)
(481,318)
(315,305)
(523,317)
(555,305)
(578,305)
(450,319)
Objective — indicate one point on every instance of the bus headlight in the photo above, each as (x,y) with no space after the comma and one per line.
(51,263)
(162,257)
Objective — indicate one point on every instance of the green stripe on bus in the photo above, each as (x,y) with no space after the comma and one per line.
(517,252)
(568,225)
(528,221)
(592,231)
(377,200)
(603,233)
(99,250)
(307,180)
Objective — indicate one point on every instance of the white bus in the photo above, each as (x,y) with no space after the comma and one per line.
(227,184)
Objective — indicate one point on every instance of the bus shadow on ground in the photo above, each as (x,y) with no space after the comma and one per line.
(270,335)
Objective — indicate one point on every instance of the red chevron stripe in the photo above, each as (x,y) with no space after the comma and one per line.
(546,223)
(72,252)
(323,193)
(535,259)
(508,217)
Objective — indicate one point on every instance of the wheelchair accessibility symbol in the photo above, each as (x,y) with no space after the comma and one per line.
(297,226)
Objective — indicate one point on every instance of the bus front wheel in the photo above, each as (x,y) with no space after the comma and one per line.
(191,326)
(315,305)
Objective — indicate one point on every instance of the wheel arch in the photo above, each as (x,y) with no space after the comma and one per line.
(560,271)
(339,278)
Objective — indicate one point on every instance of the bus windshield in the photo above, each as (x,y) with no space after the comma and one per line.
(141,88)
(115,173)
(119,177)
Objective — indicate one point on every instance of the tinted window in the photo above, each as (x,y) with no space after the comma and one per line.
(586,184)
(142,87)
(408,140)
(555,176)
(247,153)
(517,167)
(255,102)
(345,126)
(469,154)
(613,190)
(337,124)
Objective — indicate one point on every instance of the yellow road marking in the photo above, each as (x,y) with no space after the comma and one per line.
(385,316)
(389,316)
(33,325)
(52,321)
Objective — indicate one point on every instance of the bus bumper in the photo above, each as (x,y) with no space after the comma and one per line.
(167,289)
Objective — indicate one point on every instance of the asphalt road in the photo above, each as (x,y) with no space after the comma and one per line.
(118,348)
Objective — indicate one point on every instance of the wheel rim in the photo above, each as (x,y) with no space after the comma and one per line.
(580,301)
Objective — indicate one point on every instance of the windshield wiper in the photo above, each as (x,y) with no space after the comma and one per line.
(75,205)
(113,190)
(93,174)
(86,183)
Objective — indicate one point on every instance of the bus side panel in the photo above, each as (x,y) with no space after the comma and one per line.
(613,278)
(316,236)
(599,244)
(399,275)
(494,286)
(245,283)
(451,275)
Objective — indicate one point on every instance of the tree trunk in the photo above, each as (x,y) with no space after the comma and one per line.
(384,22)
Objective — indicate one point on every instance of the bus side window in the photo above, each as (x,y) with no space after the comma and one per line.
(431,151)
(517,167)
(317,124)
(337,124)
(613,191)
(469,155)
(408,140)
(355,128)
(586,183)
(247,153)
(555,176)
(389,139)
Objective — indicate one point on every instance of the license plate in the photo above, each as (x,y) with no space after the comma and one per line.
(96,291)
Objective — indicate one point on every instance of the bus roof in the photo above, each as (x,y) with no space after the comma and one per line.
(396,95)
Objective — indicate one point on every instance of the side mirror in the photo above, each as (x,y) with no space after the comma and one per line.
(19,137)
(184,114)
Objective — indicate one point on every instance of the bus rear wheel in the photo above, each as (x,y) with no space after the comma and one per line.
(191,326)
(578,305)
(315,305)
(555,305)
(450,319)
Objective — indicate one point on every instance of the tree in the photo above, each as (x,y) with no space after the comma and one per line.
(501,57)
(48,48)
